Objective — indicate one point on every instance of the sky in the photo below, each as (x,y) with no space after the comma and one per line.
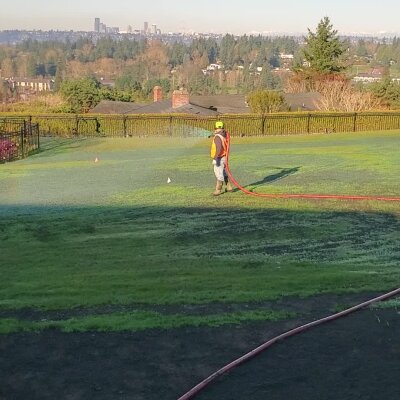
(233,16)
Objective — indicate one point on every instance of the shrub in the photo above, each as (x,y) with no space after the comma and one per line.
(8,150)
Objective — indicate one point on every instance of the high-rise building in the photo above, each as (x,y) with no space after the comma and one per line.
(146,27)
(97,24)
(154,30)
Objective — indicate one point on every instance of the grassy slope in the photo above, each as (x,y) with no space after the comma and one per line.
(76,233)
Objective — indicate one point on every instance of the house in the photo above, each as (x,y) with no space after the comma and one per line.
(179,104)
(211,105)
(223,103)
(237,104)
(115,107)
(31,85)
(373,75)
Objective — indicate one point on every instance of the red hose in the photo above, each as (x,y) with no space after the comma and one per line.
(203,384)
(299,196)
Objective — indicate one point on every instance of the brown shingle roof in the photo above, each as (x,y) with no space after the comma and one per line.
(165,107)
(302,101)
(236,103)
(226,102)
(205,105)
(114,107)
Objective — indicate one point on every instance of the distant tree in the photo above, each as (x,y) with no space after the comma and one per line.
(149,86)
(4,90)
(202,85)
(155,60)
(266,101)
(176,53)
(388,91)
(128,82)
(361,49)
(263,102)
(268,80)
(51,69)
(227,51)
(81,94)
(59,76)
(324,49)
(8,68)
(343,96)
(40,69)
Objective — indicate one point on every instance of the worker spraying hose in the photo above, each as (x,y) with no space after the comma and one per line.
(219,148)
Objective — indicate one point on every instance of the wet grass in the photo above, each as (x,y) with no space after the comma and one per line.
(114,232)
(138,321)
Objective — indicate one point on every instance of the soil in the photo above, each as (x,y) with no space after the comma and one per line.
(357,357)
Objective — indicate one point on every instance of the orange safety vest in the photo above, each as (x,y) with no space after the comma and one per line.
(222,153)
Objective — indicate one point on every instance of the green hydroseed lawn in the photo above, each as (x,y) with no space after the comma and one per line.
(76,233)
(137,321)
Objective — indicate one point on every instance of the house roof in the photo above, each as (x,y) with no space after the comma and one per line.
(165,107)
(236,103)
(114,107)
(31,80)
(224,104)
(302,101)
(205,105)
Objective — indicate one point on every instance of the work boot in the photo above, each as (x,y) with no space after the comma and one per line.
(229,187)
(218,188)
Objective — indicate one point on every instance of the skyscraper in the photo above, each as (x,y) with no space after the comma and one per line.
(146,28)
(97,24)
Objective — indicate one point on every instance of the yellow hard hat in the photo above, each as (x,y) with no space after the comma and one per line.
(219,125)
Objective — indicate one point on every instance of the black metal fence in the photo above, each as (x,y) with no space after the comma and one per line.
(238,125)
(69,125)
(18,138)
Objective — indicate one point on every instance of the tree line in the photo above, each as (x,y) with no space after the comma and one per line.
(319,62)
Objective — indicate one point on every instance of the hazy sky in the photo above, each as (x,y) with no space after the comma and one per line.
(235,16)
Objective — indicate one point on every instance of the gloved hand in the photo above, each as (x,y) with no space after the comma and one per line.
(214,162)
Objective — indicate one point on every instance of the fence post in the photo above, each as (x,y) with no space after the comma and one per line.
(261,125)
(265,125)
(23,130)
(38,136)
(170,125)
(97,125)
(308,122)
(355,122)
(124,125)
(76,124)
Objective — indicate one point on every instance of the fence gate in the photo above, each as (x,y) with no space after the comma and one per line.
(18,138)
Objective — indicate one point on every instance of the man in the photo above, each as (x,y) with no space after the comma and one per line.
(218,154)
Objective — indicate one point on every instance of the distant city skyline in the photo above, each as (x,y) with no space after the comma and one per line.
(214,16)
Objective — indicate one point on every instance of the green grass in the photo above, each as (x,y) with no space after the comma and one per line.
(138,321)
(394,303)
(76,234)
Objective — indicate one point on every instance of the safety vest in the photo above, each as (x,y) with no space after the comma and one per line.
(214,147)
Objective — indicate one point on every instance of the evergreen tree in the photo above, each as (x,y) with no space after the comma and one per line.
(324,49)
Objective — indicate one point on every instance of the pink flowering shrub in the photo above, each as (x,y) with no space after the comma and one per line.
(8,149)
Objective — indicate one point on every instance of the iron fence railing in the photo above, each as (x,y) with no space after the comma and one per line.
(177,125)
(18,138)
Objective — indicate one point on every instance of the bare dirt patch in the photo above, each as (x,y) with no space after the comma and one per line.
(356,357)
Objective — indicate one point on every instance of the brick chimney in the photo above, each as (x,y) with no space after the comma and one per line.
(180,98)
(158,94)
